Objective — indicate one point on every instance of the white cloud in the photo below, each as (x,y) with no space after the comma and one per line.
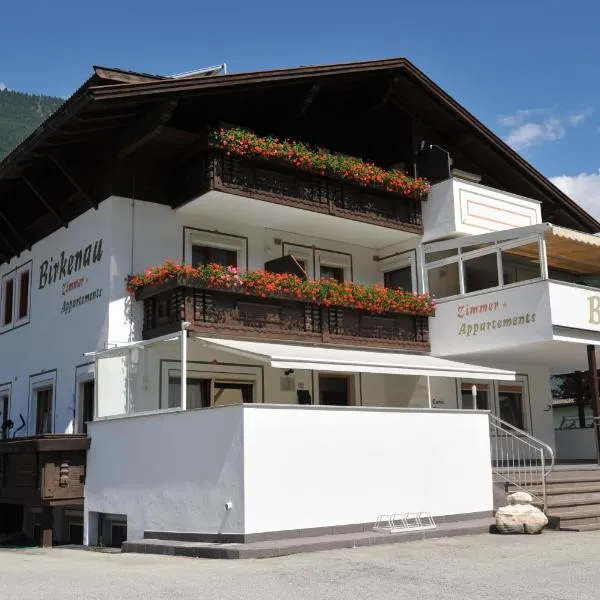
(579,117)
(583,188)
(2,86)
(534,126)
(532,134)
(521,116)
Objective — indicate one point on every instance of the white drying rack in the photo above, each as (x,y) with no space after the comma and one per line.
(399,522)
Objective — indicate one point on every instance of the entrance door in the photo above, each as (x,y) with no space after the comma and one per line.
(334,390)
(4,408)
(87,404)
(511,404)
(482,395)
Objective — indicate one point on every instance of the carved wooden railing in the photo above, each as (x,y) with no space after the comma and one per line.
(229,313)
(283,184)
(46,469)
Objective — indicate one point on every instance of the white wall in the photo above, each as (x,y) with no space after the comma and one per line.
(54,340)
(576,444)
(285,467)
(171,472)
(312,467)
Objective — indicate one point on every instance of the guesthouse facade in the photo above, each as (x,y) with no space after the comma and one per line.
(216,312)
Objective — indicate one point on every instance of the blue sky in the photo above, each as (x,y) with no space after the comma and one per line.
(527,69)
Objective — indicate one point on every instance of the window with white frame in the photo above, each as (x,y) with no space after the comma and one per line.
(304,256)
(399,272)
(205,247)
(23,294)
(333,265)
(477,267)
(8,300)
(42,392)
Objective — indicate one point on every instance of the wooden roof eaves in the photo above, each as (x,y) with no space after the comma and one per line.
(170,86)
(502,146)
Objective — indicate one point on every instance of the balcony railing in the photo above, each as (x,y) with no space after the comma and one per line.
(280,183)
(46,469)
(222,312)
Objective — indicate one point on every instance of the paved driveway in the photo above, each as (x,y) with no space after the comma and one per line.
(551,566)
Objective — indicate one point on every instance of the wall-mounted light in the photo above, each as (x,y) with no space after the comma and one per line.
(289,372)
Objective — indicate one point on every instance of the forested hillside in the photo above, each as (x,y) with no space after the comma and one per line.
(20,114)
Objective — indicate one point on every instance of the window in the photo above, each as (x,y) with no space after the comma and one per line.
(481,273)
(444,280)
(204,255)
(335,273)
(511,404)
(197,396)
(4,413)
(43,415)
(87,404)
(399,278)
(8,293)
(333,265)
(482,395)
(334,390)
(232,392)
(23,280)
(204,247)
(516,268)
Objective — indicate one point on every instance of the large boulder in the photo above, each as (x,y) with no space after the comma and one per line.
(520,518)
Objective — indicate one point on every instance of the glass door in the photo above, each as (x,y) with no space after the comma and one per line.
(511,404)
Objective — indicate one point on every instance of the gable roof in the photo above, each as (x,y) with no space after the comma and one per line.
(116,100)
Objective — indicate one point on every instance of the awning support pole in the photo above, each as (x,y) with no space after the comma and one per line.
(595,399)
(184,336)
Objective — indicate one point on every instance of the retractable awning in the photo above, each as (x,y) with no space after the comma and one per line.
(315,358)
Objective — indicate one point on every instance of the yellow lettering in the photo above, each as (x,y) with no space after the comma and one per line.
(594,304)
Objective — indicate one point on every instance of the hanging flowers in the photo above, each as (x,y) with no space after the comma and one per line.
(241,142)
(328,292)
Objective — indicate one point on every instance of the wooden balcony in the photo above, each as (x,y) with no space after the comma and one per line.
(44,472)
(280,183)
(232,314)
(47,469)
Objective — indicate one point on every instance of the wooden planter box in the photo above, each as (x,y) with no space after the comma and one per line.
(281,183)
(234,314)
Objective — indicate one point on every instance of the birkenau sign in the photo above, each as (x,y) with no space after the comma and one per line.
(52,270)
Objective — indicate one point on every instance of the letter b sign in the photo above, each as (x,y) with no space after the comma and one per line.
(594,302)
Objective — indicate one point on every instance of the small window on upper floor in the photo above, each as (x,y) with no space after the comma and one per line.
(206,247)
(8,299)
(23,294)
(335,273)
(399,278)
(204,255)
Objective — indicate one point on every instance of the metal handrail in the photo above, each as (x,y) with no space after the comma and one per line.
(518,458)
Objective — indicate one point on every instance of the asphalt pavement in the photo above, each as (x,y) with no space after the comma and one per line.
(554,565)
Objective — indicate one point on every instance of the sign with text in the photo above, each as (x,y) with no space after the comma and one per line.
(69,272)
(575,307)
(492,320)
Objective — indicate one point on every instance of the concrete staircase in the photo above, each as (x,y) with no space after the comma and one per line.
(573,493)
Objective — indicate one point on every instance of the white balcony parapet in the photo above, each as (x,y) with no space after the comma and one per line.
(458,207)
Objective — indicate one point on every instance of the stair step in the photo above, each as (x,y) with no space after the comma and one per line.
(577,516)
(573,499)
(562,481)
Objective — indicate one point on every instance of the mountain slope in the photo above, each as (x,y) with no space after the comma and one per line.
(20,114)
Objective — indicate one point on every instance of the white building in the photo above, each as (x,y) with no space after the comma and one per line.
(294,414)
